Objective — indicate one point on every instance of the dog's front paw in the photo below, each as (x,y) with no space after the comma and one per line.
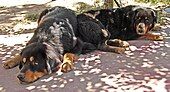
(66,66)
(120,50)
(117,43)
(159,38)
(9,64)
(125,44)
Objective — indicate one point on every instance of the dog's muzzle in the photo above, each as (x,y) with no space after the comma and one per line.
(141,29)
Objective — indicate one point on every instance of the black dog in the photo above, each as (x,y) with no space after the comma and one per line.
(53,44)
(126,23)
(92,31)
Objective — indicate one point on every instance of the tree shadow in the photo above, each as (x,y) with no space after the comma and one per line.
(17,11)
(147,68)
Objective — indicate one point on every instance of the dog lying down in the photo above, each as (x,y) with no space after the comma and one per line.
(52,47)
(122,24)
(61,35)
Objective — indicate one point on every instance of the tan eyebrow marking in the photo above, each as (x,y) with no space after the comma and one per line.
(24,60)
(31,58)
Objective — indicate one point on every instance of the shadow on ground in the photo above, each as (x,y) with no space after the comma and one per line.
(143,68)
(13,18)
(10,13)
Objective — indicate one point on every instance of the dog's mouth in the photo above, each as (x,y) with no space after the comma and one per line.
(24,82)
(141,29)
(30,77)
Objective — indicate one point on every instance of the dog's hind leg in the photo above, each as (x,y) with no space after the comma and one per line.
(108,48)
(117,42)
(11,63)
(88,47)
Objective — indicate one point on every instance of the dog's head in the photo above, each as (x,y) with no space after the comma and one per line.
(38,59)
(143,19)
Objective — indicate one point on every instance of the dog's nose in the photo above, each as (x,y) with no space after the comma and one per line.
(140,31)
(141,25)
(21,76)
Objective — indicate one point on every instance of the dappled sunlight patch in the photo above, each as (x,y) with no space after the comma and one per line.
(17,17)
(95,71)
(30,87)
(54,86)
(48,79)
(90,87)
(2,89)
(24,26)
(142,68)
(148,65)
(43,88)
(78,73)
(132,48)
(11,40)
(128,83)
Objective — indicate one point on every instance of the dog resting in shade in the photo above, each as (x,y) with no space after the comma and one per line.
(123,24)
(52,47)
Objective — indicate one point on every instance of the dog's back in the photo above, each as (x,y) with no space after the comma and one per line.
(57,26)
(60,13)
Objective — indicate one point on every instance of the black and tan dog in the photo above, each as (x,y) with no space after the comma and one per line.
(54,42)
(53,45)
(126,23)
(92,31)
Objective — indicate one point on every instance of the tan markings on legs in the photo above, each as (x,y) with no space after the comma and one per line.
(153,37)
(68,61)
(117,42)
(108,48)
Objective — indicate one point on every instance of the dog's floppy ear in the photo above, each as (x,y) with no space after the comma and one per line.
(130,17)
(42,14)
(154,14)
(53,59)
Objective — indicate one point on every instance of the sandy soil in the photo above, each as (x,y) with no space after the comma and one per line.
(145,67)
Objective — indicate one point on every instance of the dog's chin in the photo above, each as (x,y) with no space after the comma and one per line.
(24,82)
(140,32)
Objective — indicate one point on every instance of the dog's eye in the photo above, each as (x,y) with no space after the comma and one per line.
(35,63)
(146,18)
(31,58)
(139,18)
(24,60)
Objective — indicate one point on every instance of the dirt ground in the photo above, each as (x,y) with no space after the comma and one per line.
(145,67)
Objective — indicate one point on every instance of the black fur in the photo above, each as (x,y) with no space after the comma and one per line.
(53,38)
(94,33)
(120,22)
